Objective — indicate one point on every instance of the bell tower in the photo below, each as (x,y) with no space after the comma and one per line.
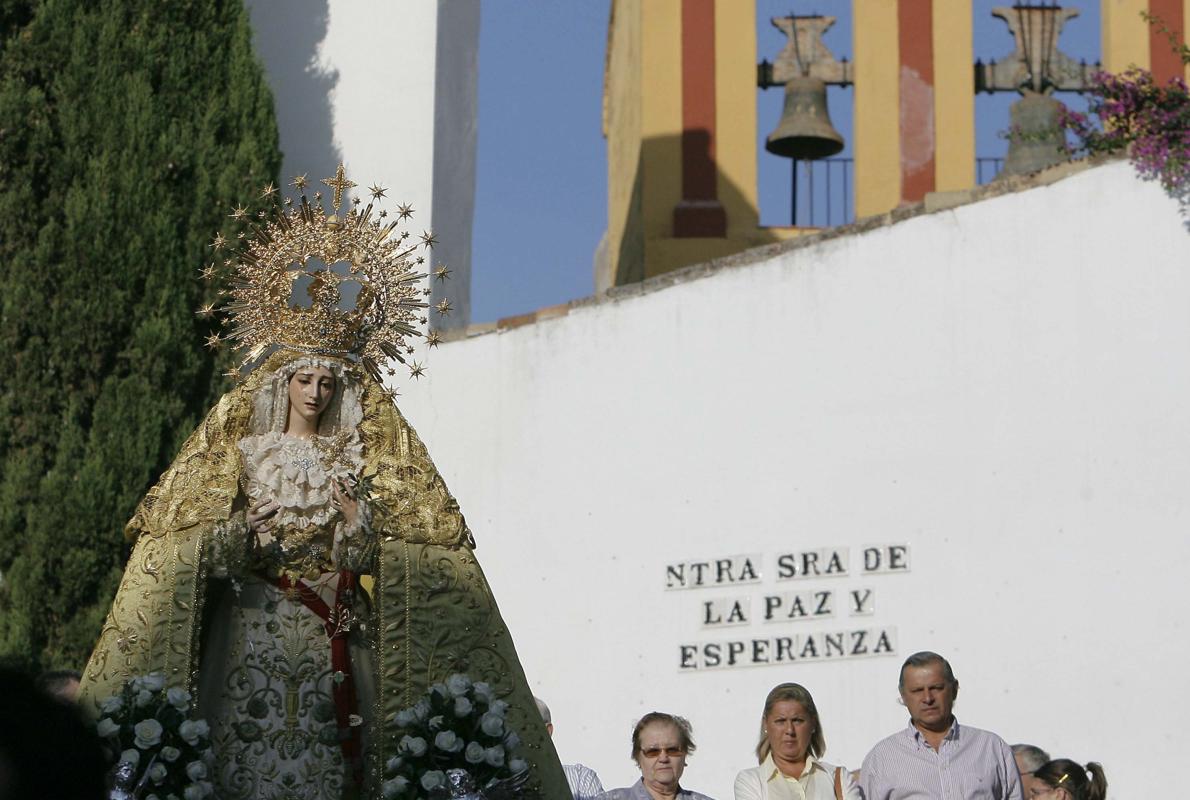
(680,109)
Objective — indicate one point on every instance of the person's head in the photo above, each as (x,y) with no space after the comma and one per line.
(60,683)
(660,744)
(311,388)
(544,711)
(1028,758)
(789,726)
(1063,779)
(39,735)
(928,689)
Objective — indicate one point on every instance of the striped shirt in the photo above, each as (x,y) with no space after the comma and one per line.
(584,783)
(971,764)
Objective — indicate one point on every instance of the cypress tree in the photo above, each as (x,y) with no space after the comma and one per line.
(127,129)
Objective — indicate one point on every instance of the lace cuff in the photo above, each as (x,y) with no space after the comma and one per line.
(355,545)
(229,547)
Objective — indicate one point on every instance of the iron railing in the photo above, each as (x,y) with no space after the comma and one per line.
(986,169)
(821,195)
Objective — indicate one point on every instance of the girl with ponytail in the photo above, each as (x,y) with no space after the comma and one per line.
(1063,779)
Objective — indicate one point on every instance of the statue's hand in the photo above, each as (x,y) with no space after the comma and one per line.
(261,516)
(343,499)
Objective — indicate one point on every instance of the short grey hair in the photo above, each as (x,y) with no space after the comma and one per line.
(543,710)
(924,658)
(1032,756)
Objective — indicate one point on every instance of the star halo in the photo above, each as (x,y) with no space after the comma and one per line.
(359,246)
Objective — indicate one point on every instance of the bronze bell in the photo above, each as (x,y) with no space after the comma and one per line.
(805,131)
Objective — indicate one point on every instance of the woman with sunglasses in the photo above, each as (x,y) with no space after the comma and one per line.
(1063,779)
(660,744)
(791,744)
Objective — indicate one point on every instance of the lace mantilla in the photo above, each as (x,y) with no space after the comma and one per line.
(300,474)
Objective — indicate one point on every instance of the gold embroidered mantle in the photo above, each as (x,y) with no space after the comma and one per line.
(432,609)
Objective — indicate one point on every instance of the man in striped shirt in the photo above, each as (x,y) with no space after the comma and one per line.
(584,783)
(935,758)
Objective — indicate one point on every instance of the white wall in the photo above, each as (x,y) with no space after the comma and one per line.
(1003,387)
(358,81)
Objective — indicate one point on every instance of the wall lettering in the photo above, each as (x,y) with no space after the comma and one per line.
(808,647)
(825,562)
(862,603)
(886,558)
(792,606)
(726,611)
(724,571)
(776,608)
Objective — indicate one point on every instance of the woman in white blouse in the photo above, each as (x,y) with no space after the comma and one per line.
(791,744)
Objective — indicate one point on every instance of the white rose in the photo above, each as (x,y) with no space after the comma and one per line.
(148,733)
(196,771)
(178,698)
(413,745)
(475,753)
(130,756)
(170,753)
(448,741)
(405,717)
(483,691)
(107,727)
(518,765)
(193,792)
(458,684)
(112,704)
(143,698)
(154,682)
(157,772)
(192,730)
(495,756)
(433,779)
(492,724)
(462,707)
(394,788)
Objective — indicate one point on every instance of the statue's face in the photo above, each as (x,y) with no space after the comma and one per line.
(310,392)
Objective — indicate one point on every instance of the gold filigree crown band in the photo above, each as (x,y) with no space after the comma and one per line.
(360,256)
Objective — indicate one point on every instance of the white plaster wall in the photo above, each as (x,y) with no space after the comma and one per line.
(357,81)
(1003,386)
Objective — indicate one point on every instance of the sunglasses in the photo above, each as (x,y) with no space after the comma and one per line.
(655,752)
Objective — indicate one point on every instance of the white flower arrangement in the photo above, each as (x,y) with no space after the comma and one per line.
(164,754)
(459,726)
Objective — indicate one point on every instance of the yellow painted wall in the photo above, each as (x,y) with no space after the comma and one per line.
(661,114)
(623,244)
(1186,32)
(643,125)
(876,131)
(954,96)
(1125,34)
(735,114)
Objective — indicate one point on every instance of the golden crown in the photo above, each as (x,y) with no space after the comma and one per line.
(303,244)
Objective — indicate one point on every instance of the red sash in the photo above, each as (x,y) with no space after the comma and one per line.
(337,622)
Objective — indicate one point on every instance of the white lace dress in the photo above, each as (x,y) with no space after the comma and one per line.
(266,683)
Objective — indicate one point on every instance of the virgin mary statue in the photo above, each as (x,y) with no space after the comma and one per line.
(301,568)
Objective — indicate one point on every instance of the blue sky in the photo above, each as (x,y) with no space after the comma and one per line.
(541,188)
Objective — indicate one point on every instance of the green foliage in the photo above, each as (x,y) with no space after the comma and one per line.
(127,130)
